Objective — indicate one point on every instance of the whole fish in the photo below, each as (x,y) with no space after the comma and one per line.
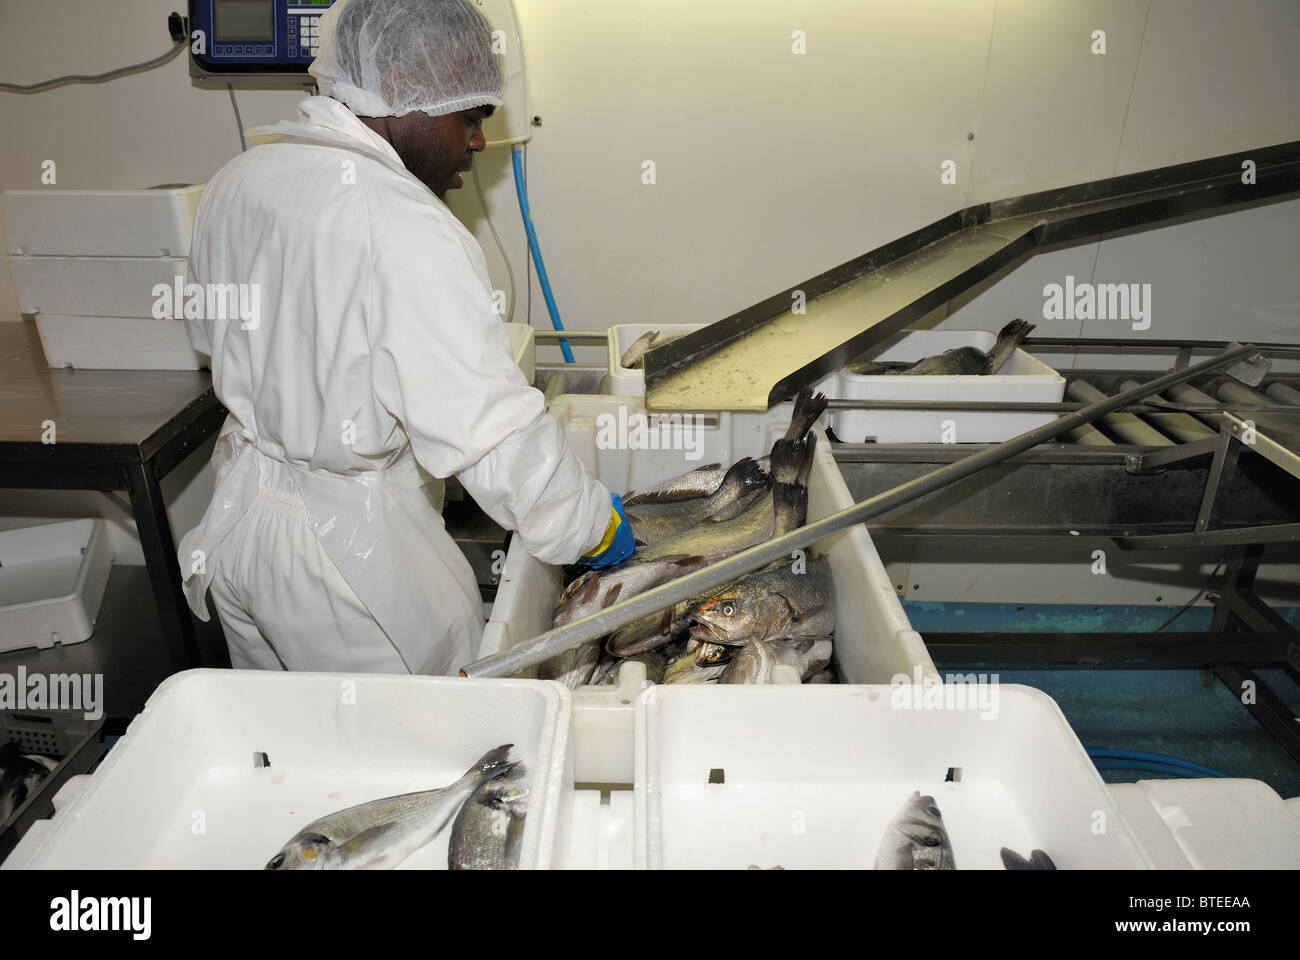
(702,481)
(916,838)
(595,590)
(574,667)
(1038,860)
(489,830)
(712,655)
(776,602)
(653,521)
(382,833)
(782,509)
(754,662)
(634,356)
(968,361)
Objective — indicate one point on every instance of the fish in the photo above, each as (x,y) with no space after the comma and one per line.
(916,839)
(684,669)
(776,602)
(574,667)
(824,676)
(380,834)
(654,661)
(634,356)
(20,776)
(778,511)
(755,660)
(489,830)
(966,361)
(712,654)
(653,521)
(597,589)
(702,481)
(1038,860)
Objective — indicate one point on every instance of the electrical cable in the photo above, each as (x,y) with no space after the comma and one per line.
(1144,765)
(1113,755)
(239,122)
(510,315)
(91,78)
(1188,605)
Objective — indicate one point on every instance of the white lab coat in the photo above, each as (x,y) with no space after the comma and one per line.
(376,346)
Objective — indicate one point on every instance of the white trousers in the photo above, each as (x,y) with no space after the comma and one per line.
(282,602)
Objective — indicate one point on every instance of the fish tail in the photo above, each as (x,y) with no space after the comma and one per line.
(745,476)
(787,458)
(790,503)
(1009,338)
(495,761)
(808,406)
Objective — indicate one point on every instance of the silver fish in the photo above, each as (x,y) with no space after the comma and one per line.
(574,667)
(1038,860)
(634,356)
(489,830)
(382,833)
(654,520)
(967,361)
(754,662)
(916,838)
(776,602)
(597,589)
(684,669)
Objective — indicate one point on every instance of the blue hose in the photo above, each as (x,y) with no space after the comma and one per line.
(521,191)
(1156,758)
(1166,769)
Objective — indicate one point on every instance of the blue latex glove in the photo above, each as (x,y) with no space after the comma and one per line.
(618,542)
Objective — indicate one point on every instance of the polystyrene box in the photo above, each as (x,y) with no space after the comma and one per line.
(92,286)
(523,341)
(182,788)
(117,343)
(52,579)
(810,777)
(100,223)
(631,383)
(1022,379)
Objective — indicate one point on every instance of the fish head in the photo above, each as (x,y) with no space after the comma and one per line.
(306,851)
(736,616)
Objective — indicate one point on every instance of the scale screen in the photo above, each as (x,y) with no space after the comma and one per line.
(243,20)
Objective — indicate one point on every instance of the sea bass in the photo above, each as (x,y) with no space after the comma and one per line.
(653,520)
(489,830)
(684,669)
(916,838)
(634,356)
(968,361)
(754,662)
(382,833)
(774,603)
(597,589)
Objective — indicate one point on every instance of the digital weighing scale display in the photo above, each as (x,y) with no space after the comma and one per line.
(257,36)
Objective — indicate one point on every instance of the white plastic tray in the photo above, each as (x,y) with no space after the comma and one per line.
(52,579)
(92,286)
(1023,379)
(813,775)
(100,223)
(181,788)
(631,383)
(523,340)
(117,343)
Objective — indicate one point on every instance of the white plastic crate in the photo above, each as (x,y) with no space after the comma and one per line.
(1022,379)
(333,740)
(117,343)
(92,286)
(100,223)
(523,341)
(52,579)
(631,383)
(813,775)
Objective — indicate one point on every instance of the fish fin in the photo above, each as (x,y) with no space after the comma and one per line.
(496,759)
(592,588)
(1014,861)
(1009,338)
(611,597)
(805,466)
(787,457)
(361,852)
(790,500)
(745,476)
(808,406)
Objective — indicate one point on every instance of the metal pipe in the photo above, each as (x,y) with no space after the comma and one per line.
(593,337)
(560,639)
(1180,426)
(1128,426)
(1014,406)
(1187,394)
(1283,394)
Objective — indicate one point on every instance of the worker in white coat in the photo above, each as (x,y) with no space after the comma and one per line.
(369,349)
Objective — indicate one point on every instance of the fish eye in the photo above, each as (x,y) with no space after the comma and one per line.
(932,810)
(276,862)
(728,609)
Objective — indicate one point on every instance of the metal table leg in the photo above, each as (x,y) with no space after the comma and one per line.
(160,557)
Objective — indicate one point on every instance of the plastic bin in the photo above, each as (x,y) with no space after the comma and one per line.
(63,734)
(631,383)
(183,789)
(523,340)
(820,771)
(52,579)
(100,223)
(117,343)
(1022,379)
(93,286)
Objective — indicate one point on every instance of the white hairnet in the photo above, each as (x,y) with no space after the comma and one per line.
(387,58)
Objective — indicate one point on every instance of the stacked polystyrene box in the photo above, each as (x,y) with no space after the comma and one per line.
(89,263)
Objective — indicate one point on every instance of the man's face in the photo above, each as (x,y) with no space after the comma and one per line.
(437,150)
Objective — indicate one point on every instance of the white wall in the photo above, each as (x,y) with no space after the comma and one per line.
(771,167)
